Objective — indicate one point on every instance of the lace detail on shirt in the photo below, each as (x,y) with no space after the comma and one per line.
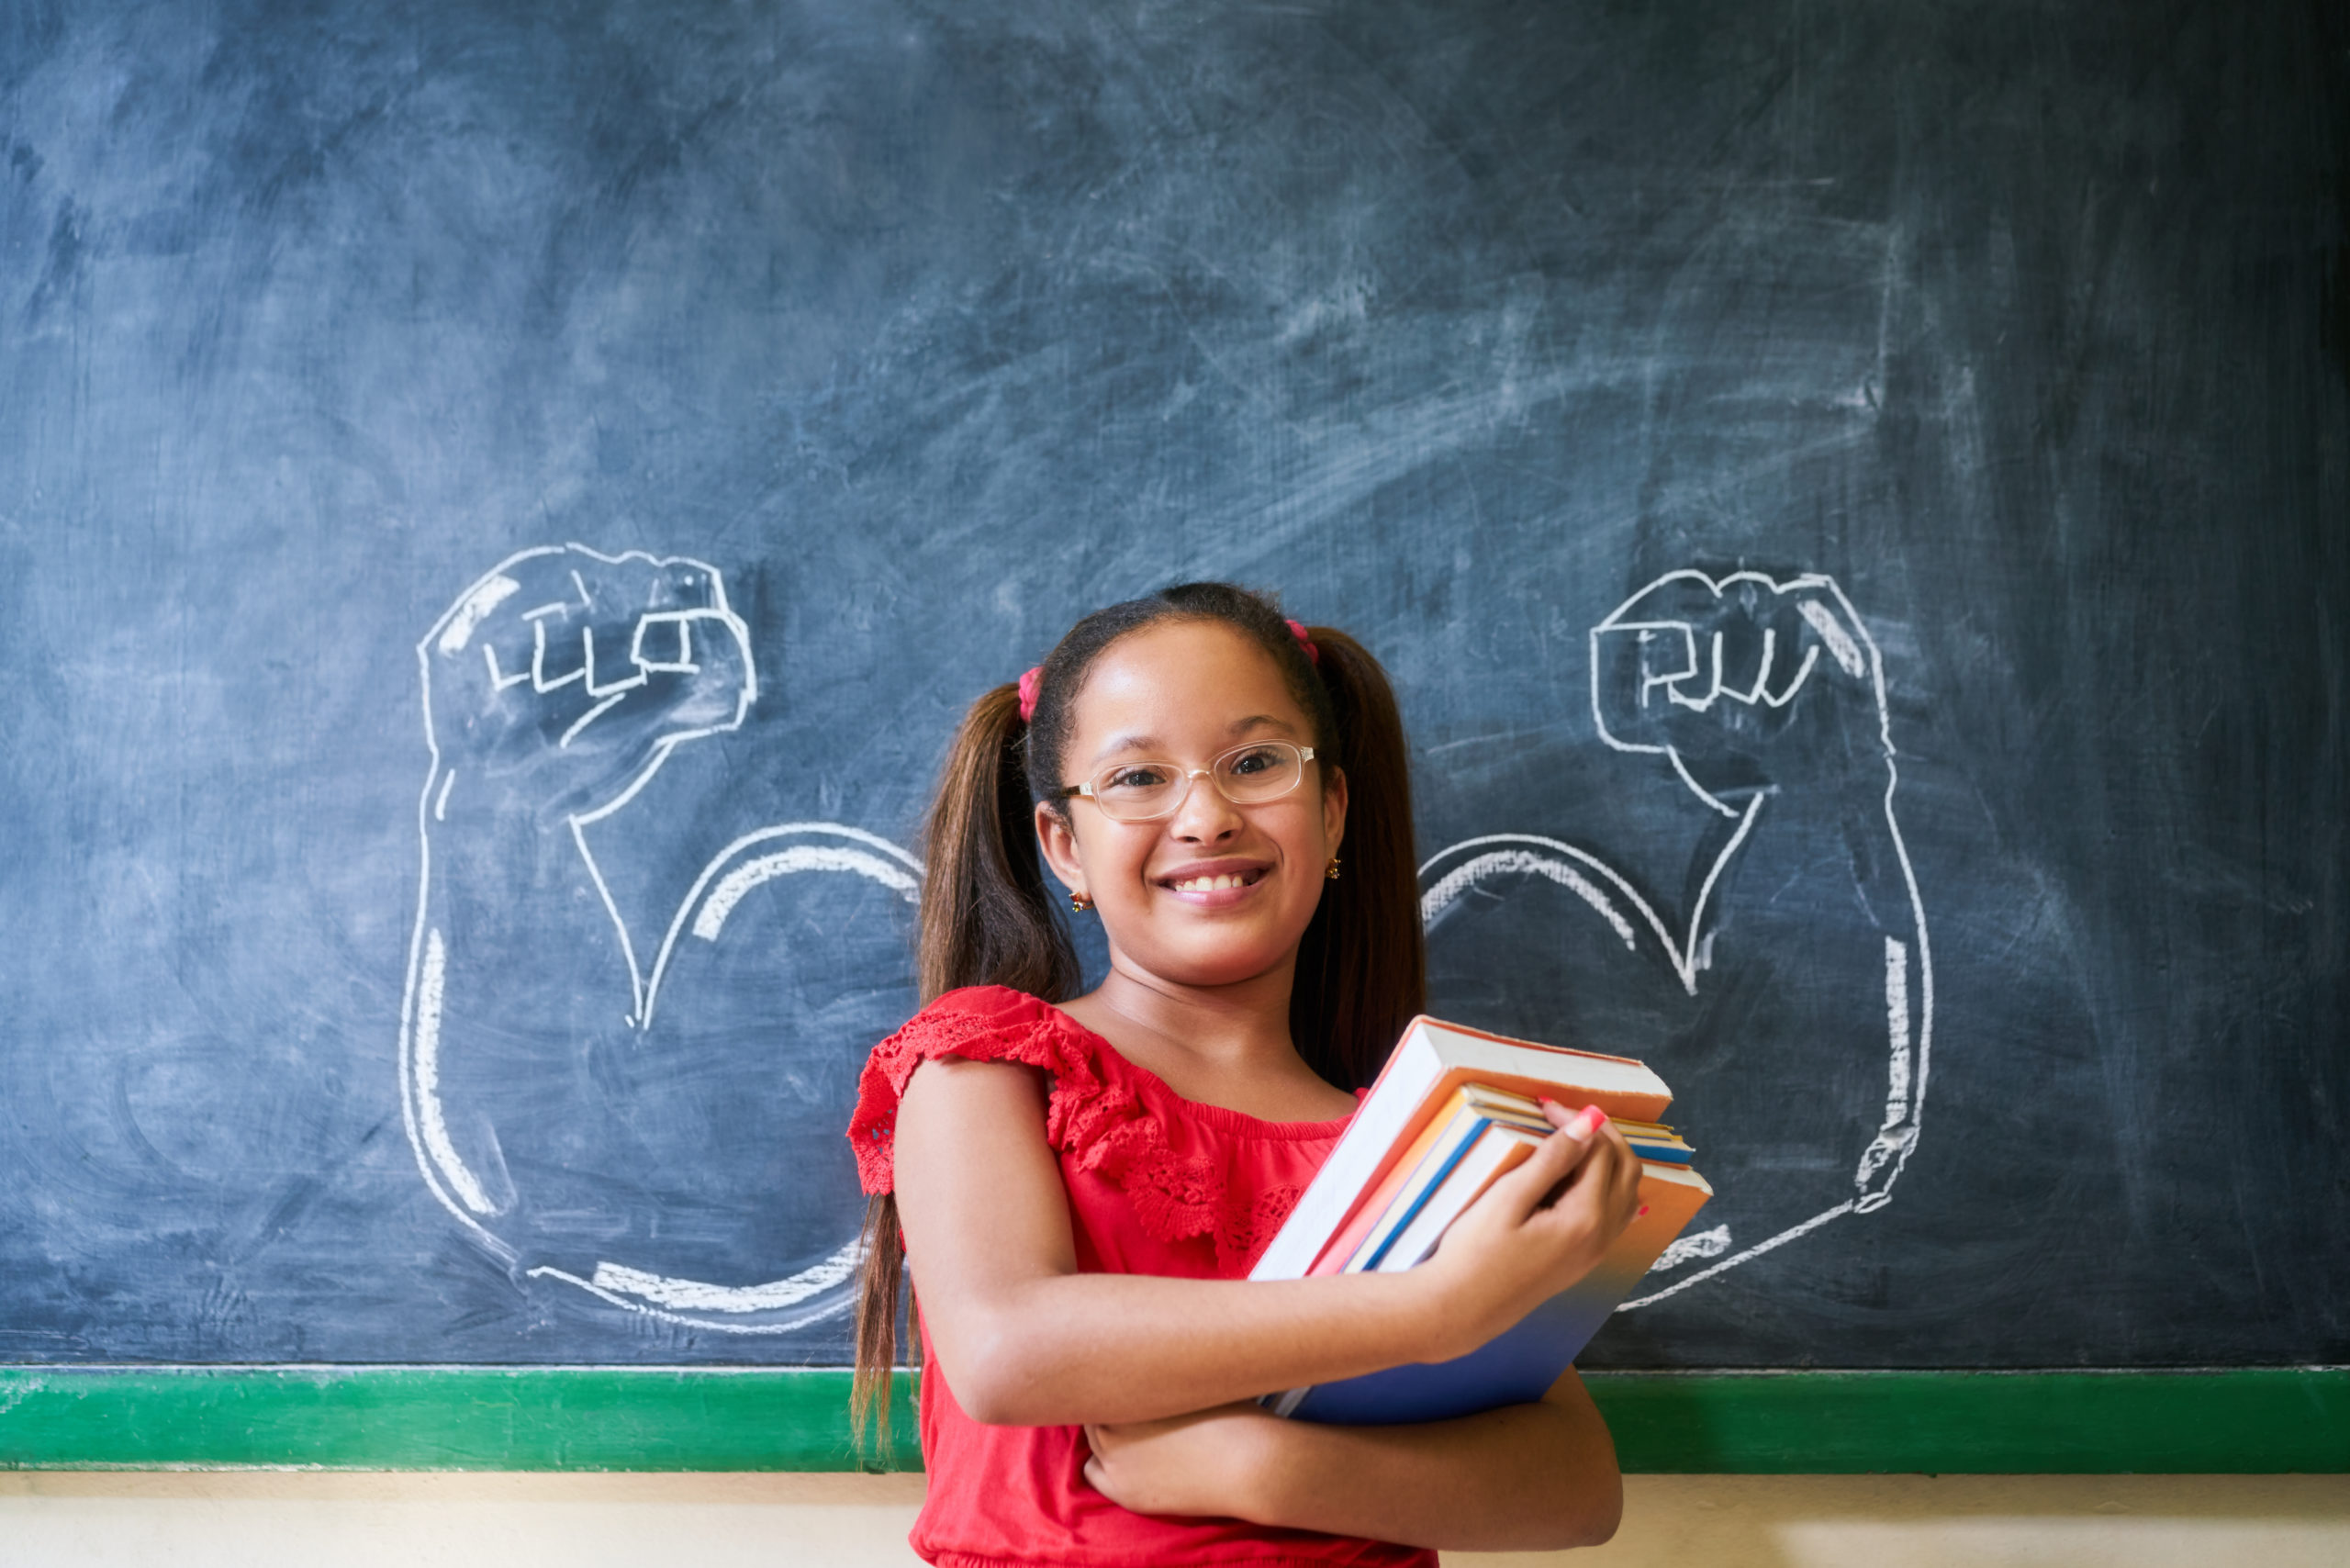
(1244,1230)
(1104,1126)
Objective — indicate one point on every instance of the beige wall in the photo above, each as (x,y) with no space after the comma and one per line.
(719,1521)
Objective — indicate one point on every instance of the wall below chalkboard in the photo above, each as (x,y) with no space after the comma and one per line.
(861,1521)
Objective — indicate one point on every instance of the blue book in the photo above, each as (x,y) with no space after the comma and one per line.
(1519,1366)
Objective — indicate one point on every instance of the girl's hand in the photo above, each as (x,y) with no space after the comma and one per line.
(1534,1232)
(1201,1465)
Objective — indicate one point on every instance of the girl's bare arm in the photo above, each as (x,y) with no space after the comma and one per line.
(1025,1339)
(1522,1478)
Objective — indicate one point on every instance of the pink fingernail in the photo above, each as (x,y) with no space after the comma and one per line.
(1586,1122)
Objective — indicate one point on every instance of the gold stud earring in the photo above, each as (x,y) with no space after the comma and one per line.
(1331,871)
(1081,903)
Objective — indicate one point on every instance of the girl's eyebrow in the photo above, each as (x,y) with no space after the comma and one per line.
(1143,743)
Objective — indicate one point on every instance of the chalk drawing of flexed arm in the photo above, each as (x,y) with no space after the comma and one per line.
(1759,699)
(570,1137)
(1712,676)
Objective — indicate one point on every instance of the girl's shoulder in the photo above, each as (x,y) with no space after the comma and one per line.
(979,1023)
(991,1022)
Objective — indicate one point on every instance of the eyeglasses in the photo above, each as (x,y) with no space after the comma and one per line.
(1145,791)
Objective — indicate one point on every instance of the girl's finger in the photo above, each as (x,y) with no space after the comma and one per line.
(1526,1189)
(1593,1190)
(1607,1185)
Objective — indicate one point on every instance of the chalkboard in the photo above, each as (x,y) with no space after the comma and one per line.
(501,507)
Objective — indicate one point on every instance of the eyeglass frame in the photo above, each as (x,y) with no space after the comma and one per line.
(1191,776)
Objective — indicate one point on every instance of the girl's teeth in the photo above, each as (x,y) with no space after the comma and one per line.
(1209,884)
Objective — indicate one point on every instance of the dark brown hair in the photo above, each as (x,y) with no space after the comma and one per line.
(987,917)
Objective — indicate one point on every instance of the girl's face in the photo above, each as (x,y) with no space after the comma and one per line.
(1217,893)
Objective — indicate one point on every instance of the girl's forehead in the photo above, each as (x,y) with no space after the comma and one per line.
(1181,681)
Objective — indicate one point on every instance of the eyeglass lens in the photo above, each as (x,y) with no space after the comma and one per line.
(1138,792)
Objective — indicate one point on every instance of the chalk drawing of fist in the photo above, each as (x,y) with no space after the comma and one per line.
(1743,685)
(585,669)
(690,1169)
(1764,701)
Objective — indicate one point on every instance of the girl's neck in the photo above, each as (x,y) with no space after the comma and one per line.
(1226,1046)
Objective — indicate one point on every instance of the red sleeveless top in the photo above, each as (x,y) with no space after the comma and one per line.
(1158,1184)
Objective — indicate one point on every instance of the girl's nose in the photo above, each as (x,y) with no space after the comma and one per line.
(1205,816)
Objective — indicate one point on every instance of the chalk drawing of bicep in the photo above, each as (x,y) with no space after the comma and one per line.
(757,860)
(1751,692)
(575,1099)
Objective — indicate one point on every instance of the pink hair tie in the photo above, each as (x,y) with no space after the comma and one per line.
(1297,629)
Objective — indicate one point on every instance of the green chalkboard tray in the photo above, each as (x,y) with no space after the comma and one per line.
(2237,1420)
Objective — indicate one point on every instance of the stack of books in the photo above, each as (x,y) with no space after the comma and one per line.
(1453,1112)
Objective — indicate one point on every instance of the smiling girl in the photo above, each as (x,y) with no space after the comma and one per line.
(1080,1184)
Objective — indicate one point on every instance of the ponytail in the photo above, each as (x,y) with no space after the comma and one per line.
(1362,964)
(988,918)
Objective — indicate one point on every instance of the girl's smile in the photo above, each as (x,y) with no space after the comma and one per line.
(1216,884)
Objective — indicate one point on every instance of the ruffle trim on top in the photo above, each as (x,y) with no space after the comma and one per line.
(1104,1125)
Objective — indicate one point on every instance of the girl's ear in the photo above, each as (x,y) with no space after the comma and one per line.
(1058,841)
(1334,808)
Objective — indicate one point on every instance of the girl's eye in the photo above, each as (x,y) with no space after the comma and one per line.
(1257,759)
(1145,776)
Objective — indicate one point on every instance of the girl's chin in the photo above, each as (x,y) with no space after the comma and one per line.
(1217,956)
